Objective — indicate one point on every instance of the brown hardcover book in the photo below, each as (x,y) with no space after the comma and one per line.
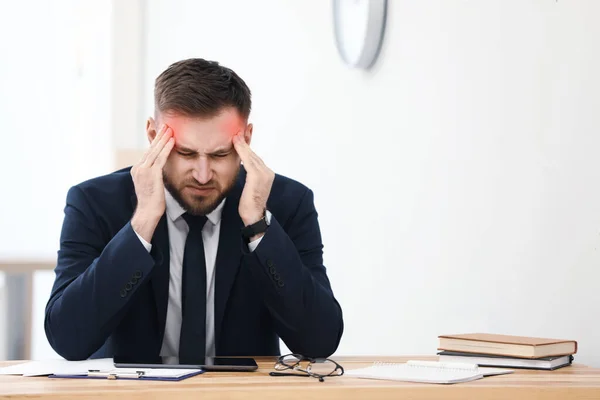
(507,345)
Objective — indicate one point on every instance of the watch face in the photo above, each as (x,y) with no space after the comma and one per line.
(268,217)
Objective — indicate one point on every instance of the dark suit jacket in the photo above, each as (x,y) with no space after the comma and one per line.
(110,295)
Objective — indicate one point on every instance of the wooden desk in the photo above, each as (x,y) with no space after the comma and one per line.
(575,382)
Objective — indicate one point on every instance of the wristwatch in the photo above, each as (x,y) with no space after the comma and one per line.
(257,227)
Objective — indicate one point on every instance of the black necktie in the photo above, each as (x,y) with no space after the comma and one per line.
(192,340)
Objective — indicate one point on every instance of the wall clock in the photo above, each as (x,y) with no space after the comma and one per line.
(359,27)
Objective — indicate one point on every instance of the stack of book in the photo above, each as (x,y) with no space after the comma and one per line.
(491,350)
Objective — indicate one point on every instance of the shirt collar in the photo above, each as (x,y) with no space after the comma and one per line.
(175,210)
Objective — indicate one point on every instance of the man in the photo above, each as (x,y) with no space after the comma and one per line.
(188,253)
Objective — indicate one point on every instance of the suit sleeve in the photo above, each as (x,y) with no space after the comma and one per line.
(296,289)
(95,280)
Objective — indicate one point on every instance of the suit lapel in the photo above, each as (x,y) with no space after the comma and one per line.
(160,275)
(229,253)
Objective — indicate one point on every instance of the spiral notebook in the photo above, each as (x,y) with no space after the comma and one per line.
(425,372)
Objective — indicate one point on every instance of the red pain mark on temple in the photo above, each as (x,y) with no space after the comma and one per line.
(174,125)
(232,125)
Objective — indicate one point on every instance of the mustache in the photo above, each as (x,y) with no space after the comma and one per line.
(194,184)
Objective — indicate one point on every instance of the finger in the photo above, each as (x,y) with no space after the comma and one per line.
(159,136)
(242,148)
(155,151)
(164,154)
(250,156)
(257,160)
(160,133)
(154,142)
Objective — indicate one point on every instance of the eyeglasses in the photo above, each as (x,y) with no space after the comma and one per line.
(306,366)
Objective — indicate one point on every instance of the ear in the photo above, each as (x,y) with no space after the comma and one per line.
(151,129)
(248,134)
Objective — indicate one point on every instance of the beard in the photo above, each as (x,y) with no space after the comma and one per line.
(196,204)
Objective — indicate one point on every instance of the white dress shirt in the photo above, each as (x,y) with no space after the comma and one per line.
(178,230)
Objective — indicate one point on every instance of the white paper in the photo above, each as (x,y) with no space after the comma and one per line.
(425,371)
(57,366)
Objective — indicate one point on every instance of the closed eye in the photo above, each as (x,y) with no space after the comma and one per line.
(220,155)
(186,154)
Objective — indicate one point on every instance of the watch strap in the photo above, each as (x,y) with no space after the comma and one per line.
(255,228)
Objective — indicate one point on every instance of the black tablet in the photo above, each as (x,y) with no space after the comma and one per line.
(207,363)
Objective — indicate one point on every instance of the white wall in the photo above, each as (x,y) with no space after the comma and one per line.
(457,182)
(54,102)
(3,322)
(53,116)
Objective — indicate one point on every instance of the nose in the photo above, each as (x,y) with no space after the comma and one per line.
(202,171)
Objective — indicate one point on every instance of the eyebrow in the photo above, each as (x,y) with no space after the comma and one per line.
(219,150)
(184,149)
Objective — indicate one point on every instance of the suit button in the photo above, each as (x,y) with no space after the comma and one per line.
(133,281)
(276,276)
(128,287)
(269,263)
(123,293)
(137,274)
(272,270)
(280,283)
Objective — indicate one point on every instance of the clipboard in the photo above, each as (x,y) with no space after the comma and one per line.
(139,374)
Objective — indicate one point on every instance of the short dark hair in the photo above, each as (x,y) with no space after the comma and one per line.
(200,88)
